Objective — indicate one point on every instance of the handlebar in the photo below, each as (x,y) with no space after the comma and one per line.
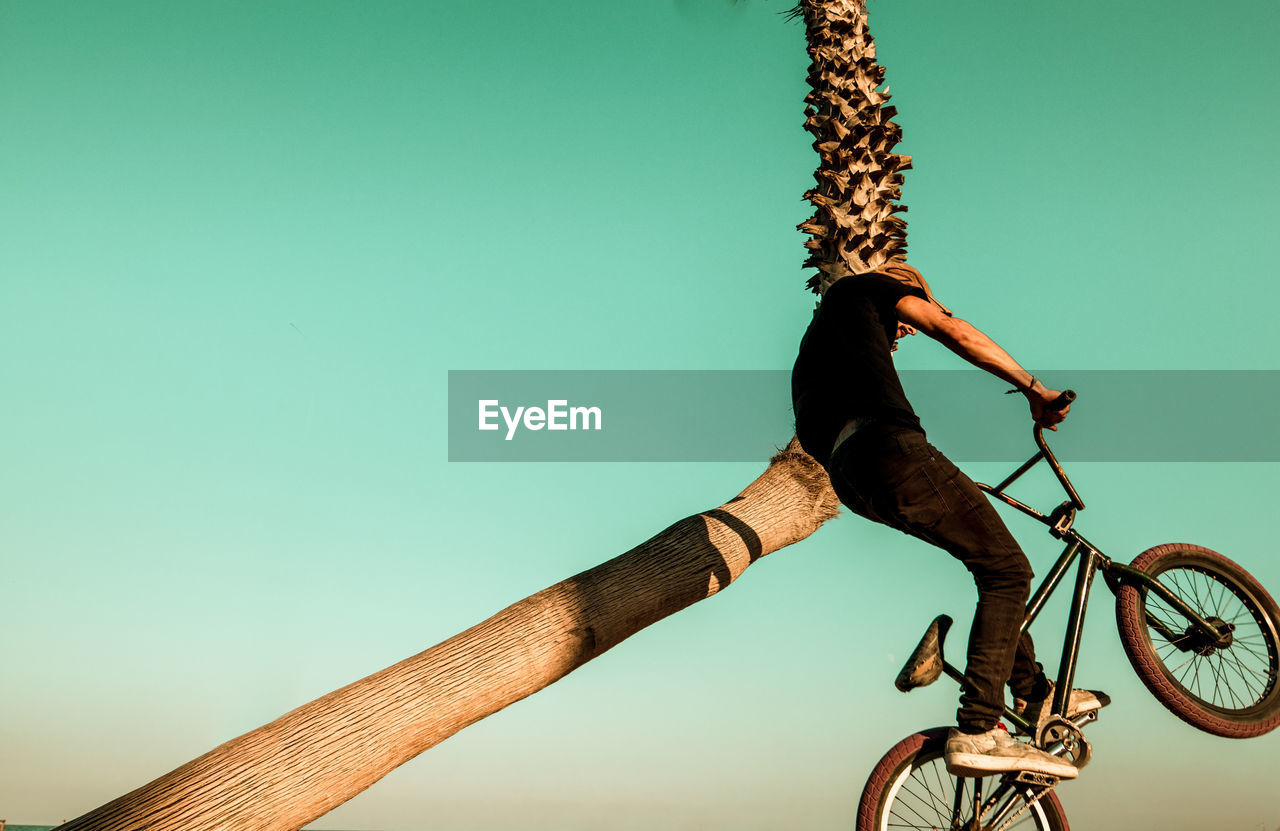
(1073,503)
(1062,401)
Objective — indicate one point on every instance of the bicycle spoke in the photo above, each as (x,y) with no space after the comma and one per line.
(1211,603)
(1225,599)
(1195,592)
(933,801)
(910,808)
(914,804)
(1213,690)
(1220,676)
(941,776)
(1186,663)
(1193,668)
(1216,667)
(1240,669)
(1260,656)
(1263,675)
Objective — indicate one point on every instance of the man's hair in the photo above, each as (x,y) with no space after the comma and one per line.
(905,274)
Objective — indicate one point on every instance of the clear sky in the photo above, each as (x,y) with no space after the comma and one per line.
(242,243)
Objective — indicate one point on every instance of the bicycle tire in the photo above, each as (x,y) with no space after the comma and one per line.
(1244,698)
(910,788)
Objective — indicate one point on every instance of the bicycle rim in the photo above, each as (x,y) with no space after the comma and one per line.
(923,796)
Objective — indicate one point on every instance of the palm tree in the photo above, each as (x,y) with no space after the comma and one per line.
(307,762)
(859,179)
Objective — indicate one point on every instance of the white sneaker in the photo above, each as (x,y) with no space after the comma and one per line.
(995,751)
(1080,701)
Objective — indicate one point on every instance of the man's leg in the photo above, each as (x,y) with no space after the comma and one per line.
(1027,681)
(973,532)
(1003,578)
(901,480)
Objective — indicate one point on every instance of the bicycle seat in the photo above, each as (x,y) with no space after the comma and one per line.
(925,664)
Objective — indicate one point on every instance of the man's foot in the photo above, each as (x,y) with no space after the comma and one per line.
(995,751)
(1080,701)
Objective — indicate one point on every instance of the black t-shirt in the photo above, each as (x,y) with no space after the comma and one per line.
(844,369)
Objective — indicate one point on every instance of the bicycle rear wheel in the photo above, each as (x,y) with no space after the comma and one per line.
(910,789)
(1230,690)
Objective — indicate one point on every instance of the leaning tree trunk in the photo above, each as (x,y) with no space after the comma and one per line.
(302,765)
(307,762)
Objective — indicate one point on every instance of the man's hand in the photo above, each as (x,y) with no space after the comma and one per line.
(1041,398)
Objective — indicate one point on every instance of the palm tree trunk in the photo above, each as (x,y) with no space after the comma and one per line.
(307,762)
(859,178)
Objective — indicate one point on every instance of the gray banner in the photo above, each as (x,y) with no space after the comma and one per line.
(741,415)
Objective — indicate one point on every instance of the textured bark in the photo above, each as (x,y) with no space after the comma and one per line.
(307,762)
(859,178)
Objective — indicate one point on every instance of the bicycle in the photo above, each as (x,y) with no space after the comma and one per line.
(1202,634)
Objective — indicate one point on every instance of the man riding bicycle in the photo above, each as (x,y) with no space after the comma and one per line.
(853,417)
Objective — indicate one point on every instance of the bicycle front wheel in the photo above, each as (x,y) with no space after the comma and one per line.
(911,789)
(1230,688)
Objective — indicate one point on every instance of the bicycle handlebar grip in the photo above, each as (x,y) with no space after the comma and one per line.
(1062,400)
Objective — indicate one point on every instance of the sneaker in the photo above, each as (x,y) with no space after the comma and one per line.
(1080,701)
(995,751)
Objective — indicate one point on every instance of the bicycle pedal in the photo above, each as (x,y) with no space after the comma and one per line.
(1079,721)
(1036,780)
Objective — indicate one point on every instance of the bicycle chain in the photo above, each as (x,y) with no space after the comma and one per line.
(1032,801)
(1042,790)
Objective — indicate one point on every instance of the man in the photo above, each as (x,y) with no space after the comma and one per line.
(853,417)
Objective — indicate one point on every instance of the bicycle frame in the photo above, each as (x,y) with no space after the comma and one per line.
(1091,561)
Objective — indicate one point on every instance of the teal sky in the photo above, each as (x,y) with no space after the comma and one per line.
(241,244)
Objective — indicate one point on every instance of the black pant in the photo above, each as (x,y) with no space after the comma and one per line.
(895,477)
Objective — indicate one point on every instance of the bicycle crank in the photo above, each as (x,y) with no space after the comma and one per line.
(1057,733)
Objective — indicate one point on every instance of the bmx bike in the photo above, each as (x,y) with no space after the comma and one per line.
(1200,631)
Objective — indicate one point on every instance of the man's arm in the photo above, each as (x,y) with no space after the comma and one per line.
(967,341)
